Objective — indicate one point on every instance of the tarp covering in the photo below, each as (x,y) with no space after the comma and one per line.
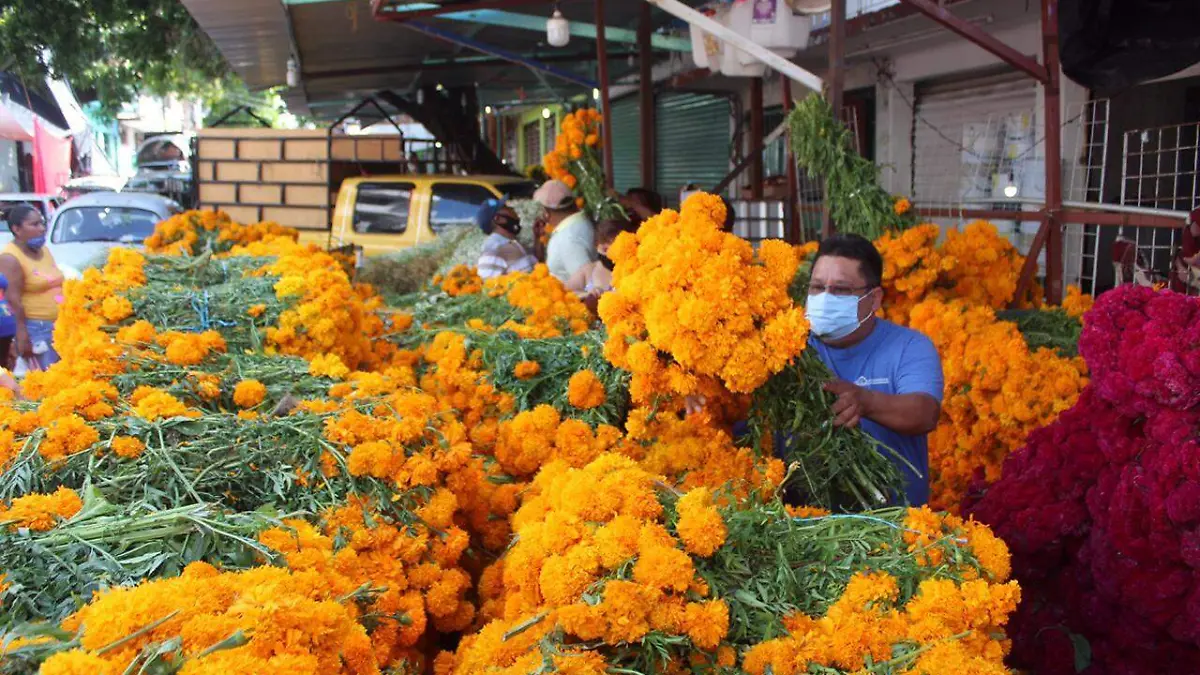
(16,123)
(1110,44)
(51,159)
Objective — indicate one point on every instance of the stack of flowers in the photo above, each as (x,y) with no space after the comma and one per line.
(1100,507)
(576,161)
(997,390)
(612,571)
(695,310)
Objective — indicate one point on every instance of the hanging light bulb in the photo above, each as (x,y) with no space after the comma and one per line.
(558,29)
(596,94)
(487,110)
(1010,190)
(545,113)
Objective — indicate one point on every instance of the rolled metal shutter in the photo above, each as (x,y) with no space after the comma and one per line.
(693,142)
(625,122)
(960,131)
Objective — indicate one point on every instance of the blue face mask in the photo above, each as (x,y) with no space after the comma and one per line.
(833,317)
(35,243)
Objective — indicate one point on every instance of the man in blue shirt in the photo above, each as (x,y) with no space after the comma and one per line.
(888,377)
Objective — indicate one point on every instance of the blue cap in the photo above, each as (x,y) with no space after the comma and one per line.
(487,211)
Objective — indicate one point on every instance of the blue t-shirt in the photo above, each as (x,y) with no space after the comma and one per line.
(892,360)
(8,322)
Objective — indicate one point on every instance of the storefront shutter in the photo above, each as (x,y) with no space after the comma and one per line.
(626,136)
(693,133)
(968,130)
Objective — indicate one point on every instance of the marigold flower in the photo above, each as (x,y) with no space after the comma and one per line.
(585,390)
(526,370)
(127,447)
(249,393)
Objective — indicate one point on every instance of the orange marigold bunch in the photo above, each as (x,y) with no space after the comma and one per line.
(249,393)
(960,626)
(578,143)
(551,310)
(694,306)
(576,529)
(460,280)
(534,438)
(40,512)
(293,621)
(1076,303)
(997,392)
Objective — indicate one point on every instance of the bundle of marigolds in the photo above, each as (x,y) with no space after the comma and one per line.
(1102,507)
(697,312)
(152,447)
(612,571)
(576,161)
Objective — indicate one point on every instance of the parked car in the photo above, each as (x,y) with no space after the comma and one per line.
(383,214)
(86,227)
(47,204)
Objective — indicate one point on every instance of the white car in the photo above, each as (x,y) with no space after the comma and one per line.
(47,204)
(86,227)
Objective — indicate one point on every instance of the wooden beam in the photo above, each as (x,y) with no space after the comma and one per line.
(646,102)
(605,100)
(981,38)
(791,216)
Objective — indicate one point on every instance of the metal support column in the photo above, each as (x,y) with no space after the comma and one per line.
(791,215)
(837,85)
(605,103)
(756,138)
(1054,198)
(646,98)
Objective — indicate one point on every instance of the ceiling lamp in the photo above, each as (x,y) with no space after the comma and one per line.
(810,6)
(558,29)
(293,72)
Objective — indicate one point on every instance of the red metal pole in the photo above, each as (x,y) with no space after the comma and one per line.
(602,55)
(837,56)
(1050,233)
(756,138)
(791,217)
(646,98)
(983,39)
(1054,242)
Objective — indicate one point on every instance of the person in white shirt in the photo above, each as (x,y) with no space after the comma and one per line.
(573,239)
(502,253)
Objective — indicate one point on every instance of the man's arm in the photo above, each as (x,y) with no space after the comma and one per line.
(915,407)
(909,414)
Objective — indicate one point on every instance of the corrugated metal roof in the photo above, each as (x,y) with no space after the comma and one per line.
(251,34)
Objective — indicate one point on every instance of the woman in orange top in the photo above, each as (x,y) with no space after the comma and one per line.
(35,286)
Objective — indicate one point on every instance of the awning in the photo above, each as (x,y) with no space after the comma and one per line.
(16,123)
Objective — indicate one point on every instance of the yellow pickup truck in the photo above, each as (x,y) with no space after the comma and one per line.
(384,214)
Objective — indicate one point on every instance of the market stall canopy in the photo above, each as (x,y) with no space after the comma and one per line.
(343,53)
(1120,43)
(18,107)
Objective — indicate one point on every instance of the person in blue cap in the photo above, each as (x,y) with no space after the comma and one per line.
(502,253)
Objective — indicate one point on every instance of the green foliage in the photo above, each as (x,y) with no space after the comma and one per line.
(1052,328)
(824,148)
(113,49)
(399,274)
(560,358)
(51,574)
(828,467)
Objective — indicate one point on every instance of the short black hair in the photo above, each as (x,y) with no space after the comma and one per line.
(855,247)
(607,230)
(730,216)
(650,198)
(19,214)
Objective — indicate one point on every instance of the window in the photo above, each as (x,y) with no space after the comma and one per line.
(382,208)
(455,205)
(533,143)
(549,136)
(104,223)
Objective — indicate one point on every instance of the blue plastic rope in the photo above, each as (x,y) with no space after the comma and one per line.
(200,306)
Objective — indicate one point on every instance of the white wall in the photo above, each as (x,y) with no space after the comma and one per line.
(9,154)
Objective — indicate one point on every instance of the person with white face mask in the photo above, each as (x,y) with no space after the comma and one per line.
(888,378)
